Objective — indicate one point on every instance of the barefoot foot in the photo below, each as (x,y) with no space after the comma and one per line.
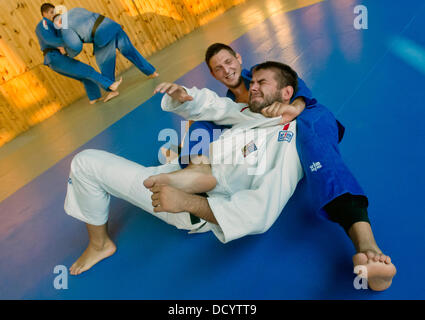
(153,75)
(379,269)
(189,181)
(92,255)
(93,101)
(115,85)
(111,95)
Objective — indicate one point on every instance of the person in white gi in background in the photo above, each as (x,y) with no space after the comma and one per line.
(254,170)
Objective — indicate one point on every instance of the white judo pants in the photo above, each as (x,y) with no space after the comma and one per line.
(96,175)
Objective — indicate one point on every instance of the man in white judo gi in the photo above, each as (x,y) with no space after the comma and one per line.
(257,156)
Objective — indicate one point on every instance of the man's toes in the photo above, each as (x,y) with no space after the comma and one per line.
(360,259)
(149,182)
(382,258)
(387,260)
(370,254)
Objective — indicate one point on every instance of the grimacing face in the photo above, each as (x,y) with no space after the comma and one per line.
(226,68)
(49,14)
(263,90)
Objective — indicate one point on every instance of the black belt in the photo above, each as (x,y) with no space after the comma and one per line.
(96,25)
(46,51)
(195,219)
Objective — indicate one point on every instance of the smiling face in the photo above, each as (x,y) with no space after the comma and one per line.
(227,68)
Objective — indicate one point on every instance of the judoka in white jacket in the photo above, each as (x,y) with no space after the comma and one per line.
(255,163)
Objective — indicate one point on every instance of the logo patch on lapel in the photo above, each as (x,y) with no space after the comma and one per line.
(285,135)
(45,26)
(249,148)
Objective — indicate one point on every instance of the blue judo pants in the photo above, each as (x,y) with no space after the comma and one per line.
(327,176)
(318,135)
(106,56)
(77,70)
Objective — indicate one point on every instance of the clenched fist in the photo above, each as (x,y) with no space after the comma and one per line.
(278,109)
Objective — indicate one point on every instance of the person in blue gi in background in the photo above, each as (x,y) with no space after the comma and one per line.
(333,191)
(55,56)
(79,26)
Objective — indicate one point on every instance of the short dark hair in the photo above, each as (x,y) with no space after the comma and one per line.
(46,7)
(285,75)
(55,16)
(216,48)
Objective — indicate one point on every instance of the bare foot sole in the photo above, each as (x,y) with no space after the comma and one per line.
(115,85)
(111,95)
(188,181)
(153,75)
(91,256)
(379,269)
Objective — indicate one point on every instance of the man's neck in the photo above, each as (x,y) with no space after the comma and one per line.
(241,93)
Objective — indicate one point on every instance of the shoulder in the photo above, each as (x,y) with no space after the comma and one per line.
(43,26)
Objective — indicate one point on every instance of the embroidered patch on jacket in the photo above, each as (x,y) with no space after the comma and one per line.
(285,135)
(45,26)
(315,166)
(249,148)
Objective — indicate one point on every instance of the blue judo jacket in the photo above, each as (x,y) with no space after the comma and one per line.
(77,27)
(48,37)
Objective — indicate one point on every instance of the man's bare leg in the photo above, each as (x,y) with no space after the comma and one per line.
(100,247)
(195,178)
(380,270)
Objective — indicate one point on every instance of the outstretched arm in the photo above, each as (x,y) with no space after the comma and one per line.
(200,104)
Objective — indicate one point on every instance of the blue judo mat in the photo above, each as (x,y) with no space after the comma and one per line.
(374,82)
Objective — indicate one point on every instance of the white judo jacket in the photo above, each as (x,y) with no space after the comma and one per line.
(256,163)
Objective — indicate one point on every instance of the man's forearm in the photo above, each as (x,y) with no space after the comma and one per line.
(199,207)
(299,104)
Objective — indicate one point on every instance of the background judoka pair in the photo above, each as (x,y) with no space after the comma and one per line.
(61,45)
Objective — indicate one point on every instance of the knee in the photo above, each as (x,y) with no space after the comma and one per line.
(84,160)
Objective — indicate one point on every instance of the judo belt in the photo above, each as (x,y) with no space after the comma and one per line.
(46,51)
(96,25)
(195,219)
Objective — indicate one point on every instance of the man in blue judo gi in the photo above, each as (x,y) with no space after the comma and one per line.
(82,26)
(333,191)
(55,56)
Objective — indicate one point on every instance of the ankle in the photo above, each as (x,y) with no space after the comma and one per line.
(368,247)
(99,244)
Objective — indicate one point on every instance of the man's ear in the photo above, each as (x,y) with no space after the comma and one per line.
(287,93)
(239,57)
